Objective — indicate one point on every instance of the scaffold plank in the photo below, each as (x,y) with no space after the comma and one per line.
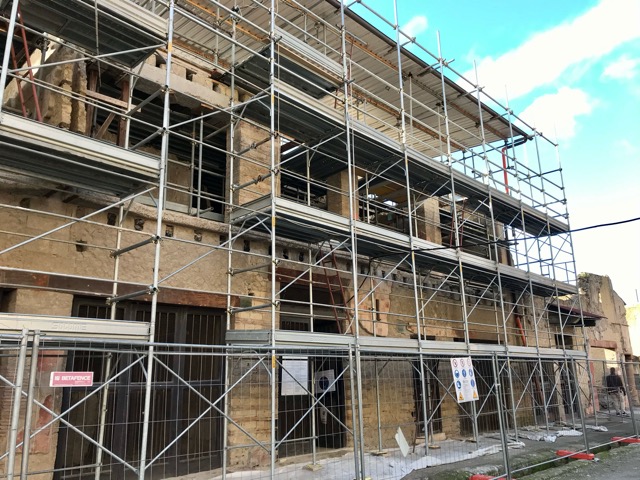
(60,155)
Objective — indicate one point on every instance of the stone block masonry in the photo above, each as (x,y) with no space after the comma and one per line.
(252,163)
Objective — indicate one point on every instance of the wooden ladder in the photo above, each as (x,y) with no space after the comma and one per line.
(329,262)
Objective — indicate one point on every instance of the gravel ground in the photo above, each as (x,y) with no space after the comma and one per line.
(621,463)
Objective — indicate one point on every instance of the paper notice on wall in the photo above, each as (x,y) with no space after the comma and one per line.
(325,381)
(295,376)
(464,379)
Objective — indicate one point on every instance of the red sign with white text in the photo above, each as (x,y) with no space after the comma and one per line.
(71,379)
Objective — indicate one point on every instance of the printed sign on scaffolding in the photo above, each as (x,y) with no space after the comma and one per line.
(464,379)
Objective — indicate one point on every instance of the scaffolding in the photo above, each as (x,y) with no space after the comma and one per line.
(267,228)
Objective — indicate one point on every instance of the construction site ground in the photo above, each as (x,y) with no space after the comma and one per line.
(455,459)
(534,459)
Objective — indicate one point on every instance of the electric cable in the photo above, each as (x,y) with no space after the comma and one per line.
(508,243)
(604,225)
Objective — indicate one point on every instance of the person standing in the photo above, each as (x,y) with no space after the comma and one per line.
(615,389)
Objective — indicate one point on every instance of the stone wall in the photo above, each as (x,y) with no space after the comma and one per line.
(250,409)
(338,194)
(428,220)
(387,403)
(57,106)
(42,451)
(252,163)
(610,333)
(83,249)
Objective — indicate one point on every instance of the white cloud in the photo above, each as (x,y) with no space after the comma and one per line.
(543,58)
(555,114)
(625,147)
(415,26)
(622,68)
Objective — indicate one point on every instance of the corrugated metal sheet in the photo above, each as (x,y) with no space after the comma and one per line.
(102,26)
(372,64)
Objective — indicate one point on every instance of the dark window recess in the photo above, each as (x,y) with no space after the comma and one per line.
(210,181)
(487,419)
(205,190)
(294,187)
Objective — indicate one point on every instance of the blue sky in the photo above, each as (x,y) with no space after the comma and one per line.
(572,69)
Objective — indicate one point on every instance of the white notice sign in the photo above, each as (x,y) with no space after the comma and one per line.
(295,376)
(325,381)
(464,378)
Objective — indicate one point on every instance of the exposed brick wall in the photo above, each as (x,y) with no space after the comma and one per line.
(44,445)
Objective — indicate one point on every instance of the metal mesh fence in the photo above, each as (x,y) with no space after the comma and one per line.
(232,412)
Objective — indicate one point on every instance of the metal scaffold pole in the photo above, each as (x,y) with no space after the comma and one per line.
(581,409)
(579,300)
(7,50)
(412,233)
(231,145)
(501,418)
(33,373)
(628,396)
(15,407)
(162,178)
(273,244)
(353,199)
(496,253)
(456,227)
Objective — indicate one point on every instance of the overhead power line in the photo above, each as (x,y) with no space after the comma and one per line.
(604,225)
(506,243)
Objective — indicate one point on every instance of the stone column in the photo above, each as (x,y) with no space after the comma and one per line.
(632,393)
(338,194)
(253,163)
(504,255)
(428,220)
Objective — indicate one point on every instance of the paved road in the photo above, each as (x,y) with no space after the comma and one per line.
(617,464)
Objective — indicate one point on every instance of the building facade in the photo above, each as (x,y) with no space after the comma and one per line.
(266,230)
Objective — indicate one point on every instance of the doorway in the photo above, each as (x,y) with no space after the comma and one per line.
(193,445)
(487,418)
(294,410)
(568,387)
(432,392)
